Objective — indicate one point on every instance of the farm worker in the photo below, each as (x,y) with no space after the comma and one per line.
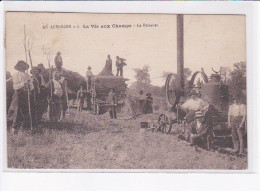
(81,97)
(63,75)
(9,90)
(199,129)
(107,71)
(236,121)
(112,101)
(142,99)
(109,64)
(58,59)
(22,82)
(194,103)
(120,63)
(56,114)
(149,103)
(89,76)
(40,93)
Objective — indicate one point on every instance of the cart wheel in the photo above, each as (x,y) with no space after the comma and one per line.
(164,124)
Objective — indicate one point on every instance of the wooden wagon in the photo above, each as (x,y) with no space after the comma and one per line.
(100,86)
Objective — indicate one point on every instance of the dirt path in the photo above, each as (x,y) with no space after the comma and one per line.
(86,141)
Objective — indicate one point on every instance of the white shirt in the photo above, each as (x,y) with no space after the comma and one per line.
(19,80)
(194,104)
(57,88)
(237,110)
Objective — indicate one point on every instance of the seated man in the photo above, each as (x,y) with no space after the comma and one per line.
(199,130)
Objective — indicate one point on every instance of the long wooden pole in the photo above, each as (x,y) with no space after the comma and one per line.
(28,89)
(180,50)
(50,81)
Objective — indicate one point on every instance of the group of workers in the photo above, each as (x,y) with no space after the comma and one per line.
(34,94)
(200,124)
(85,90)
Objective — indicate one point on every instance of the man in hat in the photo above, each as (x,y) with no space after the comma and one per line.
(199,130)
(89,76)
(120,63)
(22,83)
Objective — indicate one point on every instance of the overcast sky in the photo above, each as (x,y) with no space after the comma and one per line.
(209,41)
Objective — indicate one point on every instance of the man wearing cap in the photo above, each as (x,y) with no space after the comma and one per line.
(21,84)
(199,130)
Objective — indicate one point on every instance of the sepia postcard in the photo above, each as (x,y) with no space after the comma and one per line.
(126,91)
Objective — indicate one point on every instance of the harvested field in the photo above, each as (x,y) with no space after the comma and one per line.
(86,141)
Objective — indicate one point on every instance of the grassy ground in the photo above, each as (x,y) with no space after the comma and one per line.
(85,141)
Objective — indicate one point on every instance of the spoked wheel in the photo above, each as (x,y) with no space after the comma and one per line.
(164,124)
(171,90)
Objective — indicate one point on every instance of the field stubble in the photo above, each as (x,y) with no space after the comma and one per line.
(86,141)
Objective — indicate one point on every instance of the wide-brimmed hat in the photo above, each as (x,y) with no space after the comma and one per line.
(21,65)
(198,114)
(89,67)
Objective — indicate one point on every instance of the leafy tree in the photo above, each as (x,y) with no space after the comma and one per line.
(142,75)
(143,80)
(237,81)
